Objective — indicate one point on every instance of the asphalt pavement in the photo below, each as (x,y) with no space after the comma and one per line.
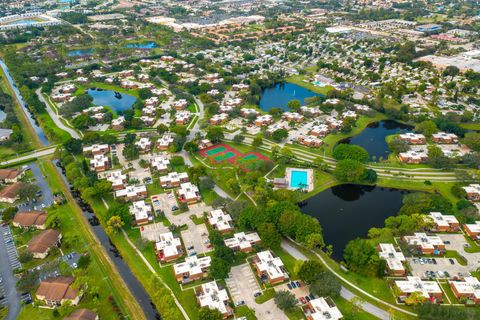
(8,252)
(46,199)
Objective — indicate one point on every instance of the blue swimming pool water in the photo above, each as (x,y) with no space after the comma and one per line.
(298,179)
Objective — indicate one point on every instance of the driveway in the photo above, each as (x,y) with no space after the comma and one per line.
(242,285)
(46,199)
(7,253)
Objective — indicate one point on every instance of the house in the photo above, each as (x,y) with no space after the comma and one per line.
(444,223)
(426,244)
(10,193)
(165,141)
(152,102)
(472,230)
(225,109)
(309,111)
(192,269)
(100,163)
(118,124)
(188,193)
(180,104)
(132,193)
(40,245)
(173,179)
(141,212)
(322,309)
(444,138)
(319,131)
(246,112)
(349,114)
(240,86)
(82,314)
(220,221)
(160,163)
(204,143)
(149,111)
(293,116)
(413,138)
(242,241)
(413,157)
(30,219)
(148,121)
(144,145)
(125,73)
(394,258)
(11,175)
(309,141)
(56,291)
(468,289)
(263,120)
(209,295)
(96,149)
(473,192)
(334,123)
(182,117)
(428,289)
(269,268)
(168,247)
(218,119)
(117,178)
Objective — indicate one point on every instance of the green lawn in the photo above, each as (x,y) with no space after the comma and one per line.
(295,314)
(302,81)
(266,295)
(244,311)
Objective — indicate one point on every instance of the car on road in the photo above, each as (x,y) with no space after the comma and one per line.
(293,284)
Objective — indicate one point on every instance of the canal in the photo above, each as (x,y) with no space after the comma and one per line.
(38,130)
(282,93)
(373,137)
(348,211)
(132,282)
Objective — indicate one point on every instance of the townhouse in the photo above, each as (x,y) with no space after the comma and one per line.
(165,141)
(144,145)
(472,230)
(41,244)
(263,120)
(426,244)
(209,295)
(269,268)
(394,259)
(173,179)
(11,175)
(141,212)
(96,149)
(30,219)
(413,157)
(218,119)
(246,112)
(242,241)
(322,309)
(413,138)
(204,143)
(468,289)
(168,247)
(309,141)
(132,193)
(160,163)
(58,291)
(334,123)
(117,178)
(320,130)
(472,192)
(180,104)
(188,193)
(147,120)
(220,221)
(99,163)
(182,117)
(309,111)
(118,124)
(430,290)
(444,223)
(192,269)
(293,116)
(444,138)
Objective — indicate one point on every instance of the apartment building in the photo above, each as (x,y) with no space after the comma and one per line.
(413,138)
(100,163)
(173,179)
(269,268)
(468,289)
(209,295)
(160,163)
(242,241)
(472,230)
(132,193)
(394,259)
(473,192)
(322,309)
(220,221)
(193,268)
(168,247)
(426,244)
(444,138)
(444,223)
(430,290)
(188,193)
(165,141)
(141,212)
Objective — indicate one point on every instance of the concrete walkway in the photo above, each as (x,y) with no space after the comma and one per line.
(37,154)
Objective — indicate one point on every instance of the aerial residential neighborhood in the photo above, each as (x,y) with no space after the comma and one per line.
(240,159)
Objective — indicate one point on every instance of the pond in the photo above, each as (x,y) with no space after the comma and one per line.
(282,93)
(348,211)
(373,137)
(115,100)
(80,52)
(142,45)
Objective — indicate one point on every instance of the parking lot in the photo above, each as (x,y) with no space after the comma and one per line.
(152,232)
(457,242)
(51,269)
(46,197)
(10,246)
(301,292)
(9,296)
(436,268)
(242,285)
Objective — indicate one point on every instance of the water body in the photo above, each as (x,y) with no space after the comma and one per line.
(131,281)
(38,130)
(80,52)
(348,211)
(22,22)
(142,45)
(373,137)
(115,100)
(282,93)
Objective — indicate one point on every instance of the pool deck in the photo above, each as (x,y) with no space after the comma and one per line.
(288,174)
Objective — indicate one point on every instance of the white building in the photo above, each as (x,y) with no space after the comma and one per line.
(141,211)
(210,296)
(160,163)
(322,309)
(173,179)
(243,241)
(188,193)
(393,258)
(220,220)
(427,289)
(168,247)
(165,141)
(192,269)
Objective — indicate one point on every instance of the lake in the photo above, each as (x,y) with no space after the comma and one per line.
(348,211)
(142,45)
(80,52)
(373,137)
(109,98)
(282,93)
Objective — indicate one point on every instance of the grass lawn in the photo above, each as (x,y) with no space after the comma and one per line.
(265,296)
(295,314)
(302,81)
(346,308)
(448,291)
(473,246)
(244,311)
(470,126)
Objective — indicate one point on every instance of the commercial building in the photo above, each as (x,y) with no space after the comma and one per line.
(168,247)
(192,269)
(393,258)
(243,241)
(269,268)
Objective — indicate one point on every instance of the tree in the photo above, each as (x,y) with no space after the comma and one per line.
(451,71)
(73,145)
(398,145)
(144,93)
(130,152)
(349,171)
(294,104)
(206,184)
(219,268)
(360,256)
(28,281)
(437,159)
(84,261)
(279,135)
(285,300)
(472,140)
(269,234)
(215,133)
(25,256)
(9,213)
(206,313)
(309,271)
(191,147)
(28,191)
(238,138)
(326,285)
(353,152)
(114,224)
(415,298)
(427,127)
(257,141)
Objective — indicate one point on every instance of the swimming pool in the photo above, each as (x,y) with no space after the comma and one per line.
(298,179)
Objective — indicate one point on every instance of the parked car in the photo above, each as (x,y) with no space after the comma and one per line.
(289,286)
(293,284)
(451,261)
(298,284)
(307,298)
(257,294)
(303,300)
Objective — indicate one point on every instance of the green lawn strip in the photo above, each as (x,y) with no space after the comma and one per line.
(474,247)
(448,291)
(470,126)
(295,313)
(300,81)
(287,260)
(197,220)
(455,255)
(244,311)
(347,309)
(208,196)
(101,272)
(53,133)
(265,296)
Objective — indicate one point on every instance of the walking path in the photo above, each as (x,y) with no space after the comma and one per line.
(36,154)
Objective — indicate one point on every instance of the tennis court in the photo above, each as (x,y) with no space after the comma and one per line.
(215,150)
(225,156)
(223,152)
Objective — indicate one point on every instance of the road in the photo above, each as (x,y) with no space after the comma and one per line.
(9,280)
(200,115)
(37,154)
(55,117)
(346,293)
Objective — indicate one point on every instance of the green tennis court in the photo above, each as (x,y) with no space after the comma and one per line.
(225,156)
(250,157)
(214,151)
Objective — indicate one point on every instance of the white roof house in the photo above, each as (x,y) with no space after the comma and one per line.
(118,121)
(320,309)
(319,130)
(424,241)
(415,284)
(99,162)
(220,220)
(393,257)
(165,141)
(141,210)
(243,241)
(183,116)
(192,265)
(272,266)
(189,192)
(144,144)
(168,244)
(131,191)
(116,177)
(212,297)
(160,163)
(469,286)
(443,220)
(96,149)
(173,178)
(473,227)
